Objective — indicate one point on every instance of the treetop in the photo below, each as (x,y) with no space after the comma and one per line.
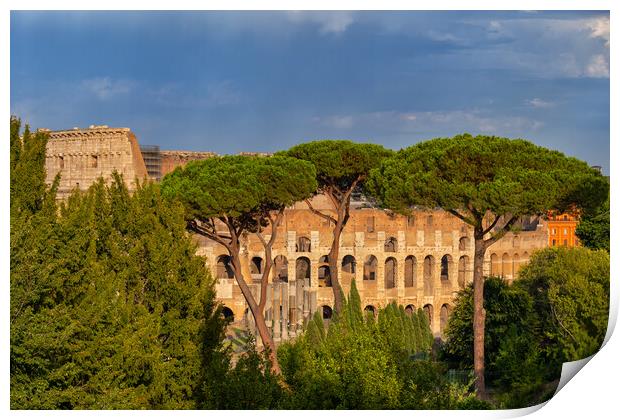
(340,162)
(483,173)
(239,185)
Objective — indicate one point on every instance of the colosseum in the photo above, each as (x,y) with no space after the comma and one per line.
(419,261)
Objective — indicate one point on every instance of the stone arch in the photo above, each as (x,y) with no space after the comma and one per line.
(410,271)
(325,278)
(463,264)
(525,258)
(463,243)
(370,309)
(303,244)
(446,267)
(256,265)
(327,312)
(280,269)
(302,268)
(428,310)
(506,265)
(429,263)
(223,268)
(228,314)
(444,315)
(495,265)
(348,264)
(410,309)
(370,268)
(390,273)
(390,245)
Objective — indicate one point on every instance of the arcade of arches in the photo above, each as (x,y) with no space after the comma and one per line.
(419,262)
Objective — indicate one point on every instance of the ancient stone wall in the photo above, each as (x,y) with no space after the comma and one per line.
(170,159)
(81,156)
(419,261)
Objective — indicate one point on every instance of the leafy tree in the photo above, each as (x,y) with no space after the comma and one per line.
(556,312)
(570,288)
(27,169)
(489,183)
(108,316)
(593,228)
(509,311)
(241,194)
(342,166)
(371,367)
(107,294)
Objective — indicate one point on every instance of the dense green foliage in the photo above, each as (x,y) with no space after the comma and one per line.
(363,363)
(593,228)
(107,295)
(509,340)
(339,163)
(245,188)
(483,173)
(556,312)
(570,288)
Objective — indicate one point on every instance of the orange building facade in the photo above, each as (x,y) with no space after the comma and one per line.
(562,229)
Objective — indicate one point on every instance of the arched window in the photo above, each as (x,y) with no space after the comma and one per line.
(390,245)
(370,309)
(327,312)
(446,264)
(506,265)
(280,269)
(227,313)
(302,268)
(410,309)
(428,310)
(463,264)
(303,244)
(444,314)
(463,243)
(324,273)
(348,264)
(390,273)
(495,265)
(256,265)
(224,267)
(429,262)
(370,268)
(410,271)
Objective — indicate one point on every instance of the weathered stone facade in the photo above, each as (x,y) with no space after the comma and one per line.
(419,261)
(170,159)
(81,156)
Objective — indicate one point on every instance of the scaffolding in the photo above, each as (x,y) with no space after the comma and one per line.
(152,161)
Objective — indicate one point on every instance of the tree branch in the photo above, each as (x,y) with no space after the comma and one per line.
(318,213)
(492,225)
(466,219)
(499,234)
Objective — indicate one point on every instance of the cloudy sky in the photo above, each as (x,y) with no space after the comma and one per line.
(263,81)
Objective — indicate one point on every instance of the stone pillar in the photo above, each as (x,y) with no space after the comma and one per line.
(314,241)
(402,245)
(276,305)
(438,239)
(420,238)
(291,241)
(284,302)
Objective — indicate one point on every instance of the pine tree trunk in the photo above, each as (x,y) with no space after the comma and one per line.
(333,266)
(479,315)
(259,317)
